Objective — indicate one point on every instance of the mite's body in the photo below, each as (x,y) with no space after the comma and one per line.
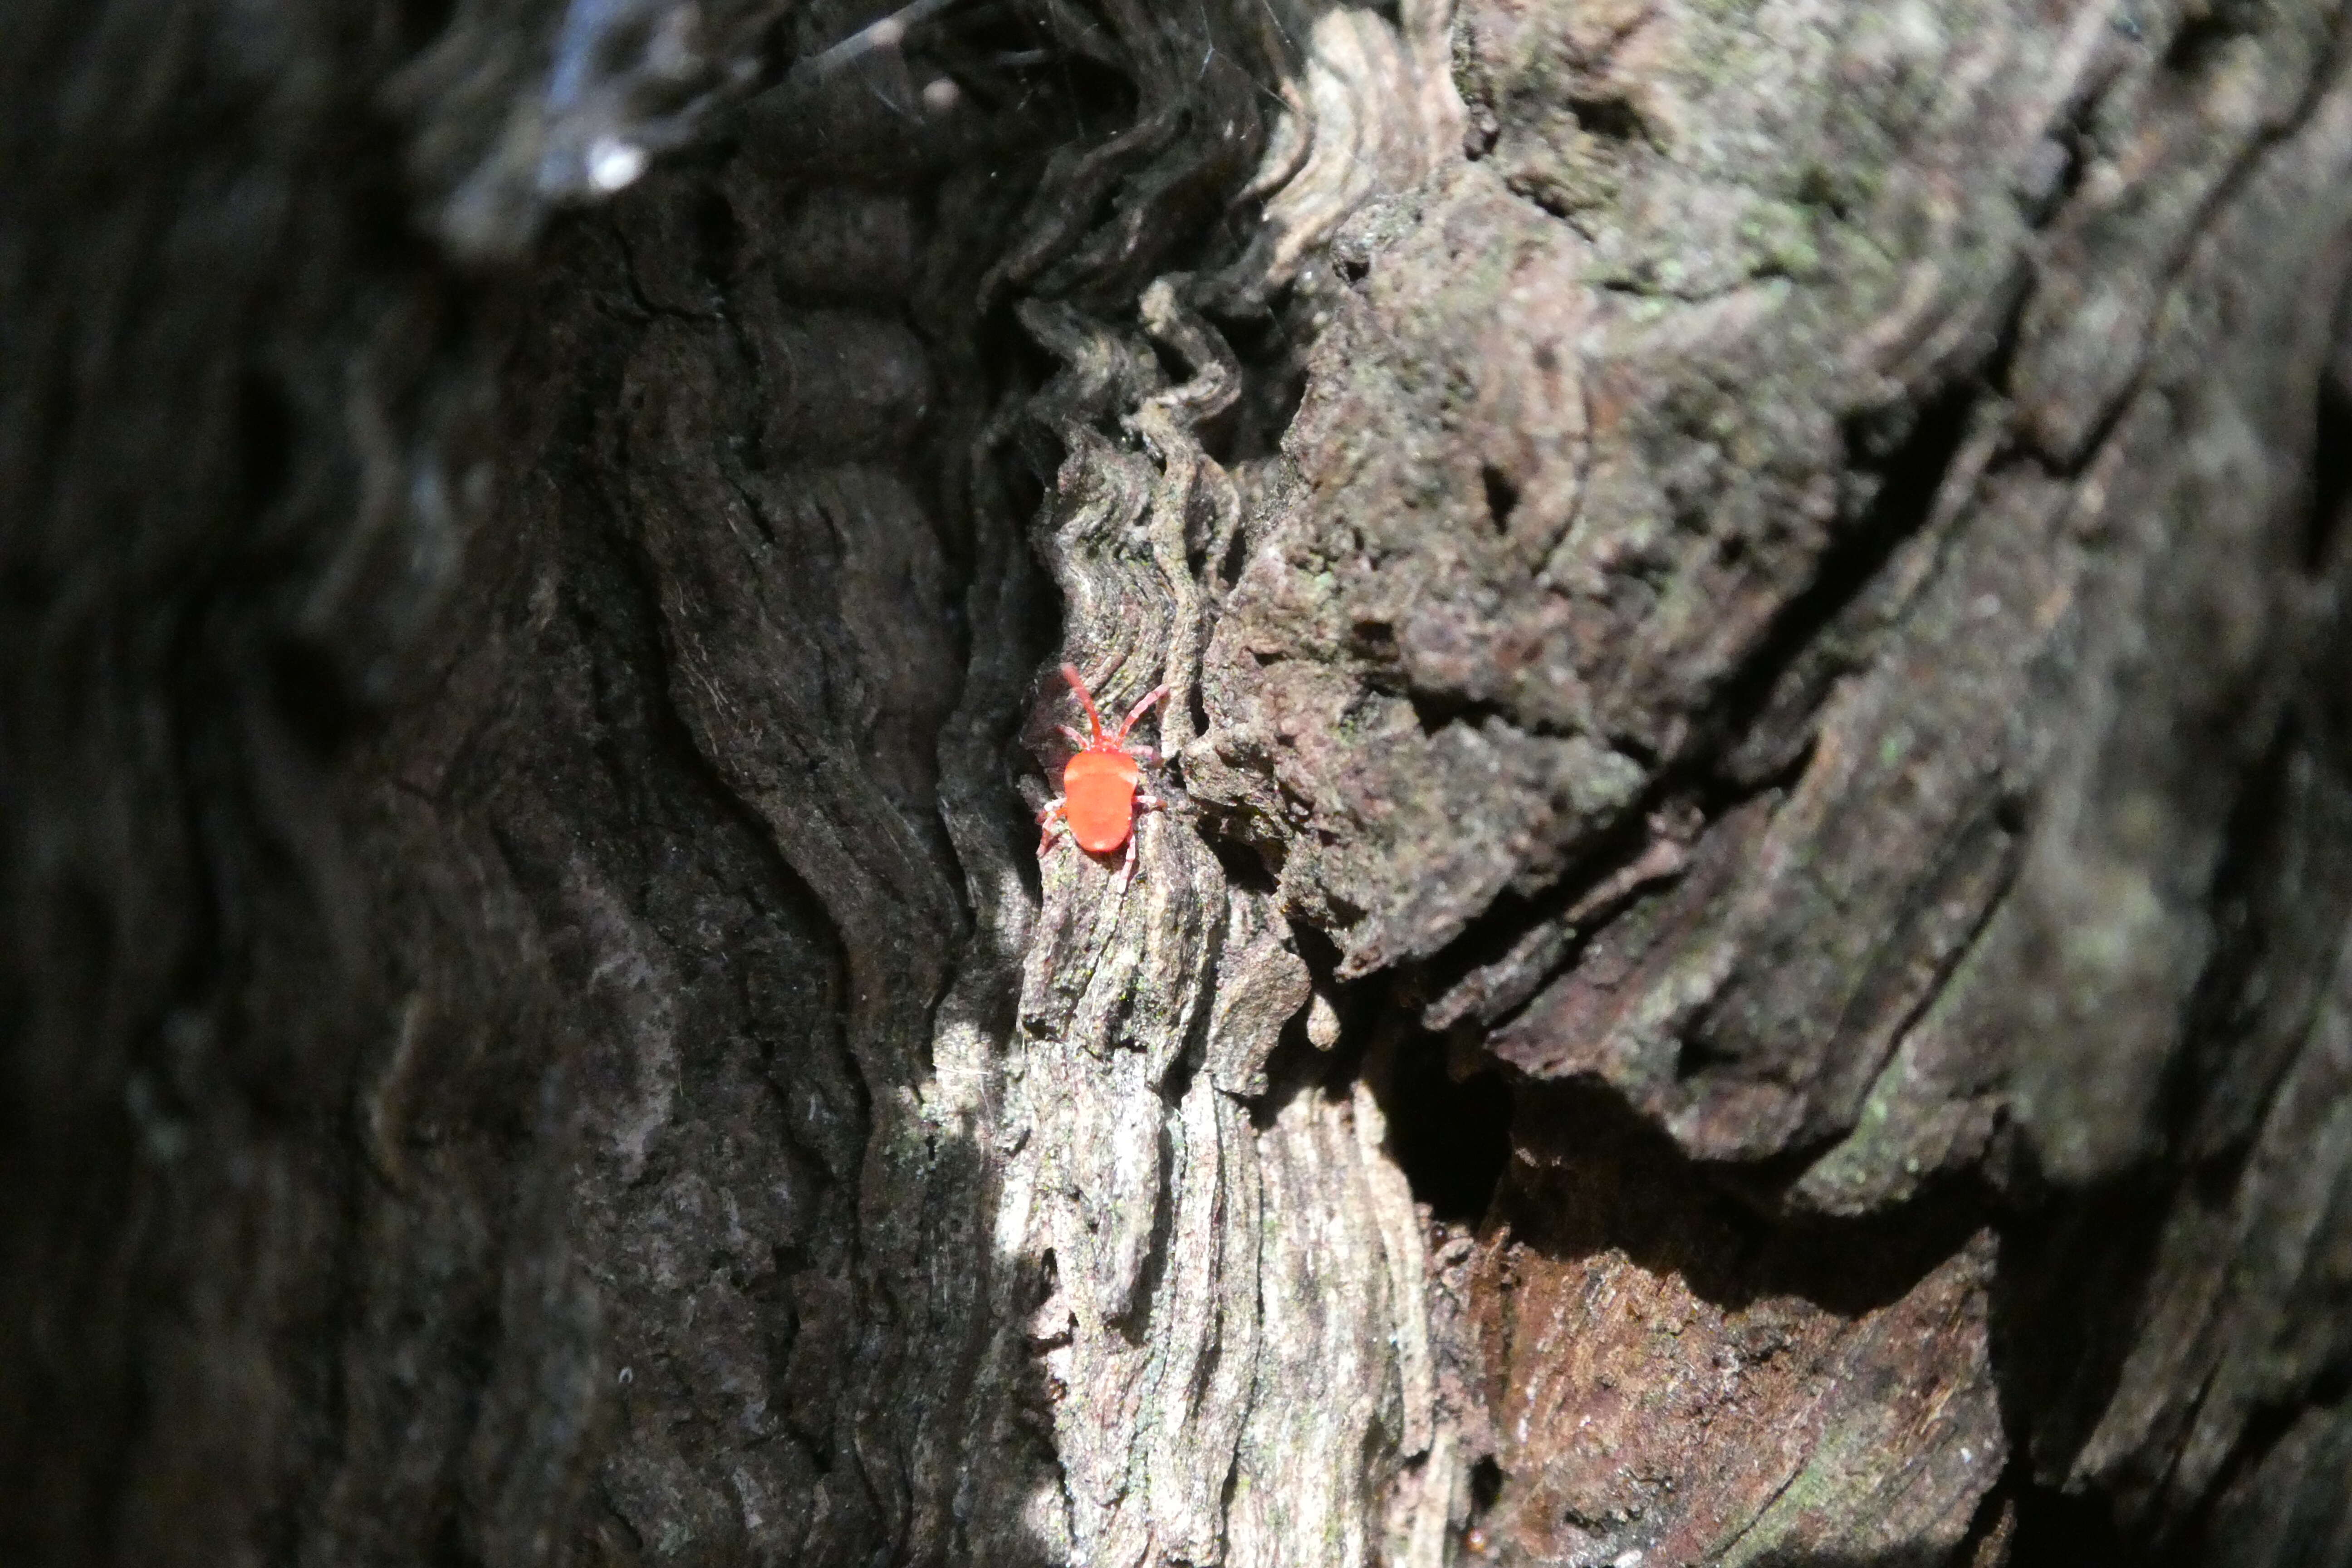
(1099,796)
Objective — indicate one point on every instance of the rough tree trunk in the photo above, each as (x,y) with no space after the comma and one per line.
(1750,959)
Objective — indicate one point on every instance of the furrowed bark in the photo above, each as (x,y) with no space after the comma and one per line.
(1748,959)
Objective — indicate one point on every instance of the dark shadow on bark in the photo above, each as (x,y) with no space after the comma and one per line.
(1451,1135)
(1611,1180)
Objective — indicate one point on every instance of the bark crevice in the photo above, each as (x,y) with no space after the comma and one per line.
(1746,964)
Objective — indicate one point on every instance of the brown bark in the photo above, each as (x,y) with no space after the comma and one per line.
(1748,962)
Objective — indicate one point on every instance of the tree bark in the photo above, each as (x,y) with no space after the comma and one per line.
(1749,956)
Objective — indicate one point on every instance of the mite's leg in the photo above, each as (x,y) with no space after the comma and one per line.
(1086,697)
(1149,698)
(1050,821)
(1143,803)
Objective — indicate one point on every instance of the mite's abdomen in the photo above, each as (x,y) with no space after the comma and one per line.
(1099,799)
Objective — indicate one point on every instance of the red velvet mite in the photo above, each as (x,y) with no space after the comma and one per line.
(1100,799)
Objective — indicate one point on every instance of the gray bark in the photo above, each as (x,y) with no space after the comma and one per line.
(1748,959)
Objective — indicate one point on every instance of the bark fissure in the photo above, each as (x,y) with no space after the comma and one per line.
(1746,959)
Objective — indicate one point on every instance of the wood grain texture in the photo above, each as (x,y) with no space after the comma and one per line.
(1747,961)
(1810,607)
